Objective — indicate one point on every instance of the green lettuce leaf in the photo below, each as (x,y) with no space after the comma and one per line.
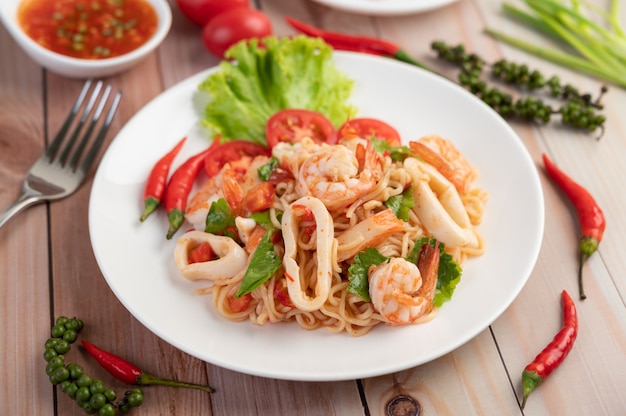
(261,78)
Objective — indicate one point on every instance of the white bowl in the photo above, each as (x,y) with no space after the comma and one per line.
(84,68)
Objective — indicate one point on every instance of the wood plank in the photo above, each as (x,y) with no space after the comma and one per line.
(23,240)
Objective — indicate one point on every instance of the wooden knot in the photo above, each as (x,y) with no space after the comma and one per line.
(403,405)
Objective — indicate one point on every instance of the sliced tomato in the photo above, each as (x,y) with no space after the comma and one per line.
(201,253)
(239,304)
(368,128)
(260,197)
(233,152)
(292,125)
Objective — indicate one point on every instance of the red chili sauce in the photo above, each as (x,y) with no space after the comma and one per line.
(88,29)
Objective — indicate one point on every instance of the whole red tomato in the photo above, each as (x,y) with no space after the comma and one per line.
(201,11)
(228,28)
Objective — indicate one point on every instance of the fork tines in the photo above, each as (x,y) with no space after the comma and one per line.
(75,146)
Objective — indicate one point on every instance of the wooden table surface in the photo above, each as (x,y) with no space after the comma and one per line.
(47,267)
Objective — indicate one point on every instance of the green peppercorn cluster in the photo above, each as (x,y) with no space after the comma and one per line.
(578,110)
(89,393)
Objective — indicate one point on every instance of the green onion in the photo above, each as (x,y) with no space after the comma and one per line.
(595,37)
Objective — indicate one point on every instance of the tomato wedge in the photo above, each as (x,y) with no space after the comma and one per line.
(201,253)
(233,152)
(292,125)
(368,127)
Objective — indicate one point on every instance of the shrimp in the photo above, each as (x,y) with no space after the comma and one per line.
(292,155)
(370,232)
(339,175)
(325,241)
(403,292)
(228,183)
(439,207)
(447,159)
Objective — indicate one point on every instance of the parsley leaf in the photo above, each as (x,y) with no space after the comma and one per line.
(357,273)
(401,204)
(449,274)
(397,153)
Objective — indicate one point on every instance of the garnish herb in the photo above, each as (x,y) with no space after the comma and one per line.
(448,274)
(554,353)
(219,218)
(264,263)
(357,273)
(266,170)
(262,77)
(402,204)
(396,153)
(590,216)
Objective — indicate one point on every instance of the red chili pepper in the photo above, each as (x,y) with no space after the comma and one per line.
(155,185)
(555,352)
(365,44)
(130,373)
(590,216)
(179,187)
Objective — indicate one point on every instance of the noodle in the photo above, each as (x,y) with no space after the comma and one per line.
(343,311)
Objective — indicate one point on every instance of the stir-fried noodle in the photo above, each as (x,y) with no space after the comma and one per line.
(328,206)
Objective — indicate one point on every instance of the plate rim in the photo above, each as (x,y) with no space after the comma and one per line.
(385,7)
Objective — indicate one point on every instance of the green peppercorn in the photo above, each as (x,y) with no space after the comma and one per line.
(62,347)
(50,343)
(61,320)
(54,363)
(110,394)
(97,386)
(75,371)
(82,394)
(49,353)
(577,110)
(58,330)
(71,390)
(70,336)
(88,408)
(84,380)
(97,400)
(135,398)
(59,375)
(107,410)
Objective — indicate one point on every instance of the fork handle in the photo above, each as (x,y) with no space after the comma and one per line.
(25,200)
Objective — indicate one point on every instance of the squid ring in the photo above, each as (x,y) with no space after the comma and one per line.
(324,237)
(439,207)
(232,258)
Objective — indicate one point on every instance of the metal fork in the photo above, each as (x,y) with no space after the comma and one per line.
(60,170)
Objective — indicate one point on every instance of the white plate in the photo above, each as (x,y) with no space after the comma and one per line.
(137,260)
(385,7)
